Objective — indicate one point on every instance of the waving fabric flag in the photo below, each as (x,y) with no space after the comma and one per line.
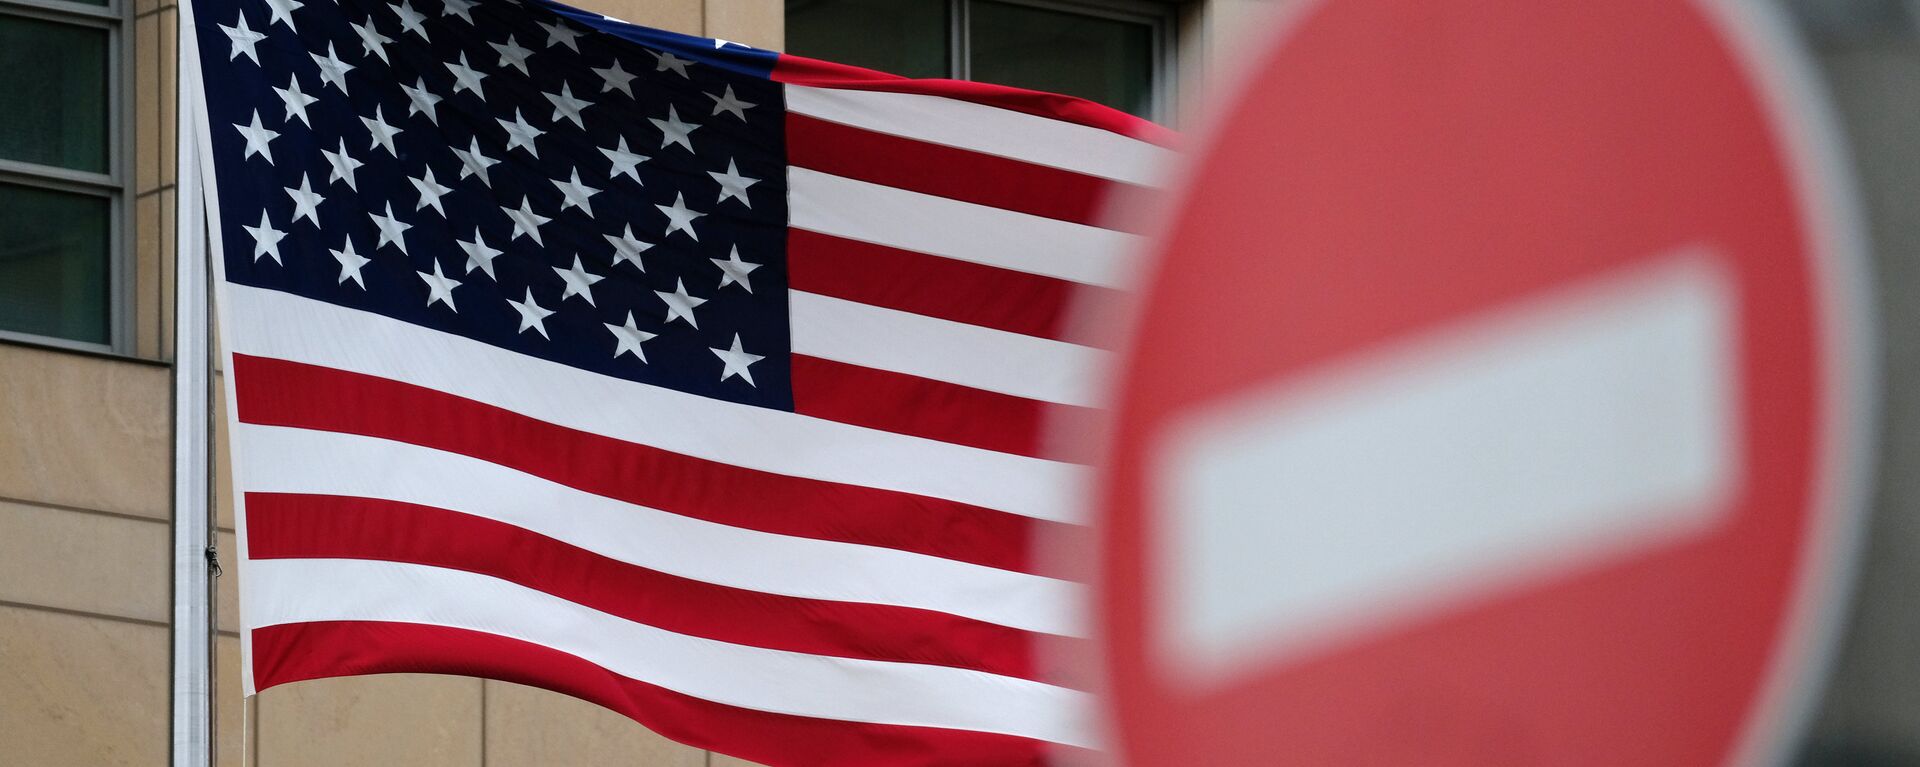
(694,380)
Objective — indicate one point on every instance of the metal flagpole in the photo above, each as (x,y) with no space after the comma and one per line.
(192,355)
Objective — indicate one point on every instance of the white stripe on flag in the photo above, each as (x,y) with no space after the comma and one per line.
(286,460)
(318,333)
(281,591)
(965,231)
(985,129)
(944,350)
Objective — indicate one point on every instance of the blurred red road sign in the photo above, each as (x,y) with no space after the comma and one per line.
(1496,399)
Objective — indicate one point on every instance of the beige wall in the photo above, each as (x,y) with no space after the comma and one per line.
(84,592)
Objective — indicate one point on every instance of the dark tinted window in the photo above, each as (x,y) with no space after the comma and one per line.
(1101,59)
(53,263)
(53,97)
(905,37)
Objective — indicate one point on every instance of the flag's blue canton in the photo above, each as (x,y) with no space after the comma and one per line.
(418,159)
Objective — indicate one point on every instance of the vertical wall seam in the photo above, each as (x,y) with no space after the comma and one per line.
(484,723)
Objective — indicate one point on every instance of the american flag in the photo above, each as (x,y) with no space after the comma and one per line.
(695,380)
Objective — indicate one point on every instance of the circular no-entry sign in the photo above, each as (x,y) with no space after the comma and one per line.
(1496,399)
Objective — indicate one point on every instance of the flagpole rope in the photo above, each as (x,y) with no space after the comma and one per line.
(215,571)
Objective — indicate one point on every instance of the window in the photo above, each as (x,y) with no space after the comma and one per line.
(1113,52)
(62,175)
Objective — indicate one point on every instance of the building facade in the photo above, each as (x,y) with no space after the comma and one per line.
(87,201)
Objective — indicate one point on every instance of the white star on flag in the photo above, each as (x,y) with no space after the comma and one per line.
(673,130)
(333,71)
(410,20)
(520,133)
(266,239)
(566,106)
(513,55)
(243,39)
(734,362)
(466,78)
(258,138)
(561,34)
(532,315)
(679,218)
(526,223)
(342,163)
(420,100)
(680,304)
(371,41)
(479,255)
(430,192)
(439,286)
(281,12)
(727,103)
(381,132)
(306,202)
(578,281)
(627,339)
(615,78)
(625,163)
(295,101)
(350,263)
(627,248)
(733,185)
(391,230)
(574,194)
(664,61)
(460,9)
(734,271)
(473,163)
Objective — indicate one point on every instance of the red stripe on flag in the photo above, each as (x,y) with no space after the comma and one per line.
(276,392)
(944,171)
(961,291)
(299,651)
(896,402)
(297,526)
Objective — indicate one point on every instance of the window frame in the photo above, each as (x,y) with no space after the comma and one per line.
(1161,17)
(115,185)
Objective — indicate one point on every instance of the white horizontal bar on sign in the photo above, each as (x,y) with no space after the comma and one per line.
(963,231)
(270,323)
(943,350)
(1553,435)
(985,129)
(292,591)
(276,459)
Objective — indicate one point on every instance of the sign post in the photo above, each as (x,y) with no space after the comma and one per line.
(1499,399)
